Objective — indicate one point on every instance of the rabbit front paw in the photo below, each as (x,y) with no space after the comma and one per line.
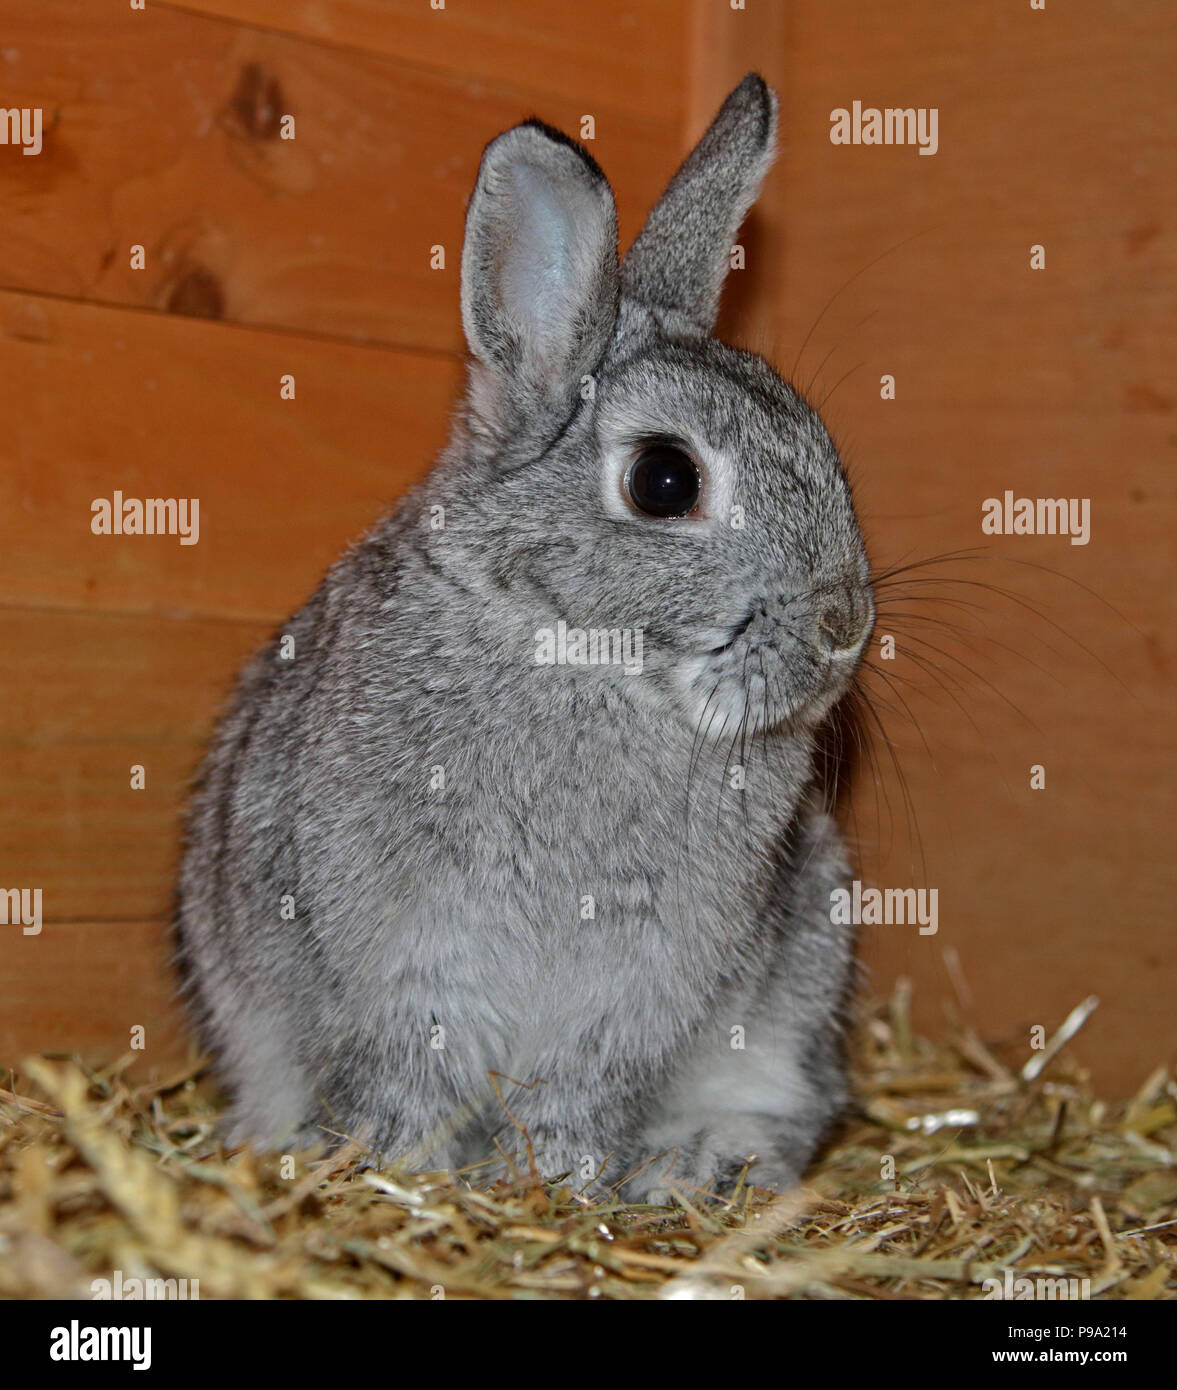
(709,1165)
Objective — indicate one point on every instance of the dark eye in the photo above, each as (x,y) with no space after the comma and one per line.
(663,481)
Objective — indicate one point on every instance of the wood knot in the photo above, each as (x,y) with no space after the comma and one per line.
(197,294)
(256,106)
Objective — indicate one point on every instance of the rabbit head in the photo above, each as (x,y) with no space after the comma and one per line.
(629,470)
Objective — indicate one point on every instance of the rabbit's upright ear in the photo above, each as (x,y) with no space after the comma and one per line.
(681,256)
(539,277)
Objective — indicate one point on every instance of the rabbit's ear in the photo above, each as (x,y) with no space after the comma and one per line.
(539,276)
(681,256)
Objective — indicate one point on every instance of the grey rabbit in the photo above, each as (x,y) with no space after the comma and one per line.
(513,842)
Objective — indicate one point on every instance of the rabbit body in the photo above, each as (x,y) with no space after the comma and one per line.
(440,895)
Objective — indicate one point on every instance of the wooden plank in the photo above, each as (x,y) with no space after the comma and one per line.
(91,678)
(82,987)
(163,132)
(625,54)
(72,826)
(167,407)
(87,697)
(154,400)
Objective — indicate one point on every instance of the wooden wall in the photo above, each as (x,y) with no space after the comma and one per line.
(311,257)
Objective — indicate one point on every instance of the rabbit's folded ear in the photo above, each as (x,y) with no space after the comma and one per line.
(539,276)
(681,256)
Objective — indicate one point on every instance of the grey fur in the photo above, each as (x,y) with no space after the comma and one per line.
(420,907)
(680,258)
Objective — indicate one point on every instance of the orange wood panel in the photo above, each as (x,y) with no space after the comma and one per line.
(163,131)
(99,399)
(87,677)
(627,53)
(1050,383)
(95,847)
(81,987)
(89,695)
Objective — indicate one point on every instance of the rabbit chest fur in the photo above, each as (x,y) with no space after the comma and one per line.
(444,897)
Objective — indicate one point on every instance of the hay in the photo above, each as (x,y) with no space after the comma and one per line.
(956,1168)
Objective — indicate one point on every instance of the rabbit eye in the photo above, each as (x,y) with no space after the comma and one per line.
(663,481)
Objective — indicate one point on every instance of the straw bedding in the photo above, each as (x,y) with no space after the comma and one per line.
(960,1163)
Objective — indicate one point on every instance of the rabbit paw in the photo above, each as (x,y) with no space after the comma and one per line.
(705,1167)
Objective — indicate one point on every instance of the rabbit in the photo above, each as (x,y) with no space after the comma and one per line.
(461,883)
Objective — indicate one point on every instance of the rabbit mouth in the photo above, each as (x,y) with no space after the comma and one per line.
(761,688)
(771,675)
(736,633)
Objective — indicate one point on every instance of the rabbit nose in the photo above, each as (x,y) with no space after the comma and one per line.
(844,623)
